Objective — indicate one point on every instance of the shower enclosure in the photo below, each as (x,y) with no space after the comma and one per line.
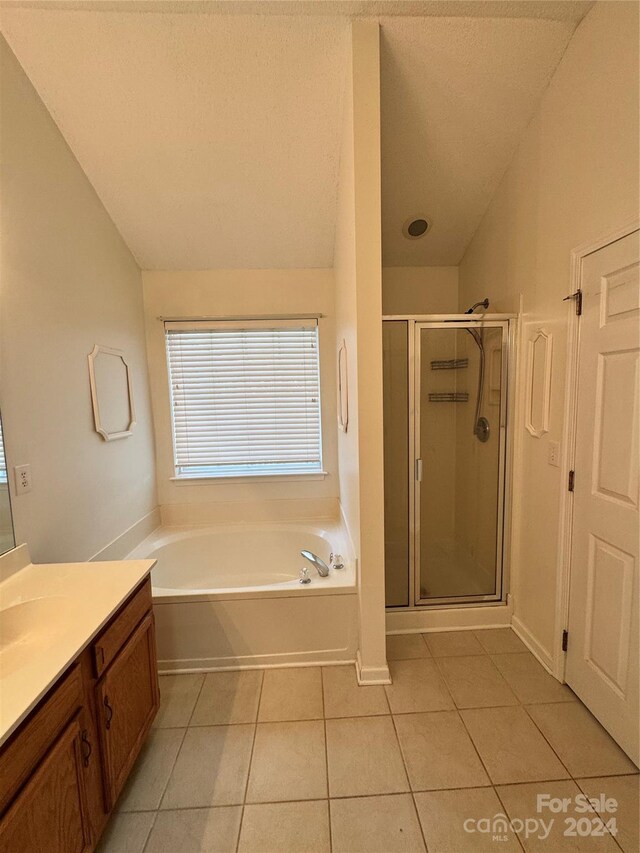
(445,454)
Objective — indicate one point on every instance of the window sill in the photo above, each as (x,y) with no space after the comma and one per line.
(302,476)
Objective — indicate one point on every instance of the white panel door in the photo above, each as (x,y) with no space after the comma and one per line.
(602,655)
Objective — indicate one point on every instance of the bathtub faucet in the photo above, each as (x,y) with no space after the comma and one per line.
(320,565)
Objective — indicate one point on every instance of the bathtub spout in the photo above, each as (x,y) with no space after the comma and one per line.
(317,562)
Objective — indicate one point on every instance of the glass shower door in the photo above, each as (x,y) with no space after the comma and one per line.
(460,451)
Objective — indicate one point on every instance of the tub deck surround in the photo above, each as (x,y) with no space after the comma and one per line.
(228,596)
(49,613)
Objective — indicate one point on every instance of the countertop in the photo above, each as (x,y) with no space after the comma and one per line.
(48,614)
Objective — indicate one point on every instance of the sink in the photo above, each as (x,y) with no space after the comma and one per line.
(29,622)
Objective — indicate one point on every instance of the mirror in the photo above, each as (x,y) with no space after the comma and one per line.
(7,539)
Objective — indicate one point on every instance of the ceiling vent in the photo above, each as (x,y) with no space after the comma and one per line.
(416,227)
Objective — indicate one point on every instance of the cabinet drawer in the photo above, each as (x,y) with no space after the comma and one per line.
(21,754)
(114,636)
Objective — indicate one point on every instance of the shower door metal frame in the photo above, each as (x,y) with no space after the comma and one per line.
(459,321)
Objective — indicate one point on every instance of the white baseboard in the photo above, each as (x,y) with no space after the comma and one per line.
(536,648)
(179,667)
(371,674)
(127,541)
(448,619)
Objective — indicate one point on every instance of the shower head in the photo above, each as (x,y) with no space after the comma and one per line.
(484,304)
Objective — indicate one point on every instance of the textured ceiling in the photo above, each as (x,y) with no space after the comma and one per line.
(457,95)
(213,139)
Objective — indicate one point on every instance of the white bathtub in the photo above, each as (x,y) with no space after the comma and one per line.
(229,597)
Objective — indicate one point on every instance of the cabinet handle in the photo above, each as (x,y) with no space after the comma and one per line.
(86,745)
(109,711)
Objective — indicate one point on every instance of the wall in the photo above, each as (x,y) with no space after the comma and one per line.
(574,178)
(250,293)
(419,290)
(68,282)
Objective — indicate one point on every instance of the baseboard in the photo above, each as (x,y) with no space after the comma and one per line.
(179,667)
(536,648)
(371,674)
(118,548)
(448,619)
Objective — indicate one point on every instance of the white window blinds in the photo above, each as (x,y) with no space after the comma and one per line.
(245,397)
(3,462)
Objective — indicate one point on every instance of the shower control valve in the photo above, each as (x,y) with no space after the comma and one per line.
(336,561)
(304,575)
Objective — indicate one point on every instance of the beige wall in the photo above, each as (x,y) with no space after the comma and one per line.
(419,290)
(368,268)
(574,178)
(250,293)
(68,282)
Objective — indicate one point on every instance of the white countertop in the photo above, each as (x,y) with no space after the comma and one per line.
(48,614)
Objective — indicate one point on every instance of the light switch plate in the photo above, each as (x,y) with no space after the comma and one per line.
(22,474)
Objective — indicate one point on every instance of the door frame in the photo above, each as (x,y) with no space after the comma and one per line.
(565,530)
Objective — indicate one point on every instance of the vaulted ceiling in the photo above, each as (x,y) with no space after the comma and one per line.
(213,139)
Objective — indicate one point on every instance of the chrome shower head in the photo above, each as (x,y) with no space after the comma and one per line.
(484,304)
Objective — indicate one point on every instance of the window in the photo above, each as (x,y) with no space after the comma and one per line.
(245,397)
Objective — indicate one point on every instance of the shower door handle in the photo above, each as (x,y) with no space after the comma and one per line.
(419,470)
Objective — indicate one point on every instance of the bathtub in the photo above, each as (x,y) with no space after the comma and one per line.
(229,597)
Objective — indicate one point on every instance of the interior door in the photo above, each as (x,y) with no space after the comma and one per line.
(602,656)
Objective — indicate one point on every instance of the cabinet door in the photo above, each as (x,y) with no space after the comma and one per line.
(50,812)
(127,699)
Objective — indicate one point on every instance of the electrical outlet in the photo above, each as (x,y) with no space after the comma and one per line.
(553,454)
(22,475)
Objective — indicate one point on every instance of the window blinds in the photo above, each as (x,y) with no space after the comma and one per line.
(245,397)
(3,462)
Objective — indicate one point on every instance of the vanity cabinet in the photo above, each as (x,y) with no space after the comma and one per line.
(61,772)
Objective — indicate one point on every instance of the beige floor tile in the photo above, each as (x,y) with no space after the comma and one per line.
(126,832)
(286,828)
(151,771)
(530,681)
(453,643)
(521,804)
(288,762)
(291,694)
(438,752)
(510,746)
(406,647)
(376,825)
(474,682)
(443,815)
(211,768)
(583,745)
(228,697)
(178,694)
(417,686)
(498,641)
(344,697)
(196,831)
(626,791)
(364,757)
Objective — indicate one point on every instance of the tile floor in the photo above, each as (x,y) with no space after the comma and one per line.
(304,760)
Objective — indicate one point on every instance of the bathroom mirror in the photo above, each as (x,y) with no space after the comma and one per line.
(7,538)
(111,393)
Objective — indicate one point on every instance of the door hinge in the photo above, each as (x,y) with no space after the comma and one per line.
(572,480)
(565,640)
(578,297)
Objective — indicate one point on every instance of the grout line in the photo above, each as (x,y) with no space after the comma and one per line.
(253,743)
(551,747)
(406,773)
(326,758)
(153,823)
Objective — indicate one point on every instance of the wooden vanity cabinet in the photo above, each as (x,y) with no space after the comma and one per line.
(63,769)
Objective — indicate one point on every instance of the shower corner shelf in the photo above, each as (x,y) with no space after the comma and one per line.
(449,364)
(449,397)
